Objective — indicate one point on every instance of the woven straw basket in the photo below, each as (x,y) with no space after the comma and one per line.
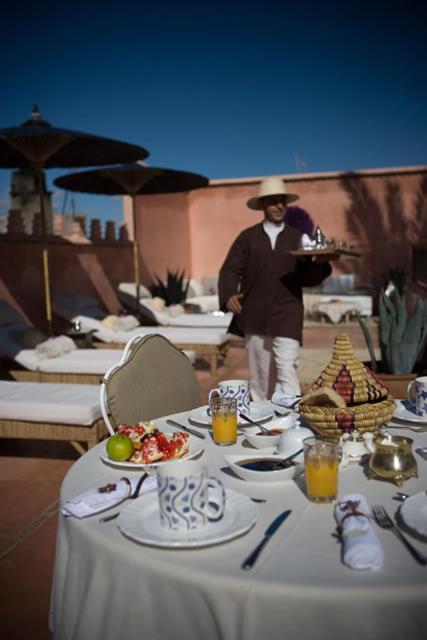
(368,403)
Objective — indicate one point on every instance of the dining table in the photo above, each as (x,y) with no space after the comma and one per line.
(108,586)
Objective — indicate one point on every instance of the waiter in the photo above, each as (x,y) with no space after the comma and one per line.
(261,283)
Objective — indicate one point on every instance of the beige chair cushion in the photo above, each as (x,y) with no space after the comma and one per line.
(156,380)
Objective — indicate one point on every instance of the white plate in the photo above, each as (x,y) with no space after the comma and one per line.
(194,450)
(264,476)
(414,512)
(405,411)
(140,521)
(258,411)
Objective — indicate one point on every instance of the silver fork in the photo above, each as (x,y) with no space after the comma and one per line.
(385,522)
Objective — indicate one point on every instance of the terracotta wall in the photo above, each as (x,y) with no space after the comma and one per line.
(163,228)
(380,212)
(95,269)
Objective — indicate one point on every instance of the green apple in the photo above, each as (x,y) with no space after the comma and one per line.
(119,447)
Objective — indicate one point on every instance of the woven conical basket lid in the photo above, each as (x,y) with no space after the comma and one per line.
(349,377)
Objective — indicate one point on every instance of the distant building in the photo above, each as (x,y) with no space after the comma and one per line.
(24,197)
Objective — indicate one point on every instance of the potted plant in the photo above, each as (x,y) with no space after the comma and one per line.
(173,291)
(402,338)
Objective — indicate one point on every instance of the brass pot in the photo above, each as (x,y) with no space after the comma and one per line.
(392,459)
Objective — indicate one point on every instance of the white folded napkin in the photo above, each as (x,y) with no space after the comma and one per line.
(284,400)
(120,323)
(361,547)
(96,500)
(55,347)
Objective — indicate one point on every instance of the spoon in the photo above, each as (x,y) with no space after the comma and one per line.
(400,496)
(257,424)
(293,455)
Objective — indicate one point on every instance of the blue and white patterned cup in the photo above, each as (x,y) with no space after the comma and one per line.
(238,389)
(188,497)
(420,400)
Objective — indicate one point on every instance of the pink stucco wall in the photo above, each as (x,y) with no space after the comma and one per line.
(380,212)
(94,269)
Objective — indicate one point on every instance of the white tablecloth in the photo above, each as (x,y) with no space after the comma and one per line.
(107,587)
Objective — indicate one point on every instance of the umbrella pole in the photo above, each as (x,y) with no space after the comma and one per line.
(135,252)
(45,250)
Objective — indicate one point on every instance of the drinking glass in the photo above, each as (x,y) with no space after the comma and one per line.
(321,458)
(224,420)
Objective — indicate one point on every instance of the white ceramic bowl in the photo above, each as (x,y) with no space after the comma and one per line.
(292,439)
(251,475)
(262,441)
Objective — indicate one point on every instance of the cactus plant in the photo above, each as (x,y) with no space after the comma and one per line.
(402,336)
(174,290)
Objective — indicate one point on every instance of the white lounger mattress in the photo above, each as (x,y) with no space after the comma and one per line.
(177,335)
(76,404)
(95,361)
(92,361)
(211,318)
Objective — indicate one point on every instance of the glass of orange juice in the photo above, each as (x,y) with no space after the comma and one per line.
(224,420)
(321,458)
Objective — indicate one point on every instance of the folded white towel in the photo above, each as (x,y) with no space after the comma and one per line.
(284,400)
(361,547)
(55,347)
(96,500)
(120,323)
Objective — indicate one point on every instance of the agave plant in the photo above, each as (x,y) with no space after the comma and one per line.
(402,335)
(174,290)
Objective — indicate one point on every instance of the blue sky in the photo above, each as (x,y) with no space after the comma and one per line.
(226,89)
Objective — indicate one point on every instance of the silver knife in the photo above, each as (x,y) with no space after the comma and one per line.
(271,529)
(173,423)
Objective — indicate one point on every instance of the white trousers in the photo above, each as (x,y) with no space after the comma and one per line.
(273,366)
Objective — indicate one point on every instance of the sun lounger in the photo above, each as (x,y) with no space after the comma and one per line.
(18,341)
(167,317)
(336,298)
(207,344)
(44,411)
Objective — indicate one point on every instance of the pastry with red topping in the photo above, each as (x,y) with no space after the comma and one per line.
(152,445)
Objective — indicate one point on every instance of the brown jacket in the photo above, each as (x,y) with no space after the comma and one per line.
(271,282)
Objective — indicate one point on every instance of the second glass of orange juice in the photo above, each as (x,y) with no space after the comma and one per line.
(321,458)
(224,420)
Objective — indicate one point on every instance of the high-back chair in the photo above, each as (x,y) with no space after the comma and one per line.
(152,379)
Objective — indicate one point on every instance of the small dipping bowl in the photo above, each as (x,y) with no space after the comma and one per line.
(263,473)
(260,440)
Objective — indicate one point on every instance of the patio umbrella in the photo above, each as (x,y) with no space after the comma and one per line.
(38,145)
(132,180)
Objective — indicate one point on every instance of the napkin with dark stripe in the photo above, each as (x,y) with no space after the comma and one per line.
(97,500)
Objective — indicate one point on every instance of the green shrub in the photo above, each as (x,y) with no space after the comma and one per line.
(402,336)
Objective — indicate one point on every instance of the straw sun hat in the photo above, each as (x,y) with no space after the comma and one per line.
(271,187)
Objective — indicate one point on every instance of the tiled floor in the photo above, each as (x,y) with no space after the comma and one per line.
(31,474)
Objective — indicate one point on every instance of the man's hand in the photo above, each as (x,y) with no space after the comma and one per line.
(233,303)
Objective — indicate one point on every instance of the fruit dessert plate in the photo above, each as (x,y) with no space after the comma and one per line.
(144,445)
